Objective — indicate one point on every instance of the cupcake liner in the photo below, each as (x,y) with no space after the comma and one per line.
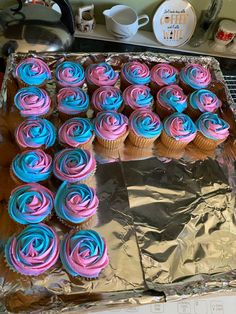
(195,153)
(112,144)
(123,82)
(205,143)
(88,145)
(172,143)
(64,116)
(162,111)
(89,223)
(186,88)
(140,141)
(90,180)
(194,114)
(163,151)
(91,88)
(95,111)
(137,153)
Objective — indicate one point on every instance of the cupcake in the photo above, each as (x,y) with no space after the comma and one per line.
(69,74)
(111,128)
(194,76)
(84,253)
(137,97)
(30,203)
(35,133)
(33,251)
(75,204)
(71,102)
(32,71)
(100,74)
(144,128)
(74,164)
(178,131)
(134,73)
(202,101)
(107,98)
(211,131)
(163,74)
(33,102)
(76,132)
(170,99)
(31,166)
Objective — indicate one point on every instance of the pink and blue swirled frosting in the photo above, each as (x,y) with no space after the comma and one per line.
(74,164)
(75,202)
(33,251)
(32,166)
(180,127)
(136,72)
(35,132)
(32,101)
(84,253)
(30,203)
(33,71)
(110,125)
(212,127)
(164,74)
(172,97)
(72,100)
(107,98)
(70,73)
(101,74)
(204,101)
(76,132)
(145,123)
(196,76)
(138,97)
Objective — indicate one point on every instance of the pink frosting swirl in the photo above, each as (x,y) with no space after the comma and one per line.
(164,74)
(195,75)
(172,98)
(110,125)
(138,97)
(74,165)
(101,74)
(136,72)
(107,98)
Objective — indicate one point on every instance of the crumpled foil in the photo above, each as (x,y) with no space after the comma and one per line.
(169,224)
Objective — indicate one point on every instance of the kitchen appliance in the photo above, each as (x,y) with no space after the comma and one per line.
(33,27)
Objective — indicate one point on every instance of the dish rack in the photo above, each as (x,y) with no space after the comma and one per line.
(231,82)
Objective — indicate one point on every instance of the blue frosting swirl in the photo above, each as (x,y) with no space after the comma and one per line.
(33,71)
(172,96)
(136,73)
(70,73)
(32,166)
(76,131)
(35,132)
(84,253)
(72,100)
(145,123)
(33,251)
(107,98)
(30,203)
(75,203)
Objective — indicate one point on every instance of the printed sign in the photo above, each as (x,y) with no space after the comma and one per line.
(174,22)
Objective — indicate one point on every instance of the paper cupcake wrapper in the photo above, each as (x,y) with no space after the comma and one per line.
(194,114)
(88,145)
(89,223)
(90,180)
(15,178)
(113,144)
(64,116)
(172,143)
(162,112)
(140,141)
(162,151)
(205,143)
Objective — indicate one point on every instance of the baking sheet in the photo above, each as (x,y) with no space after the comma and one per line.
(169,224)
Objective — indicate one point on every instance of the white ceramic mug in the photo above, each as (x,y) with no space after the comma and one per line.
(123,22)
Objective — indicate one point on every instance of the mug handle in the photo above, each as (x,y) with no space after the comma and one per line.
(143,17)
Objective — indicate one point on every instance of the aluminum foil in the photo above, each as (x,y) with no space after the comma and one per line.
(169,223)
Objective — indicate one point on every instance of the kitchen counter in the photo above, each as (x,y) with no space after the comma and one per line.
(228,66)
